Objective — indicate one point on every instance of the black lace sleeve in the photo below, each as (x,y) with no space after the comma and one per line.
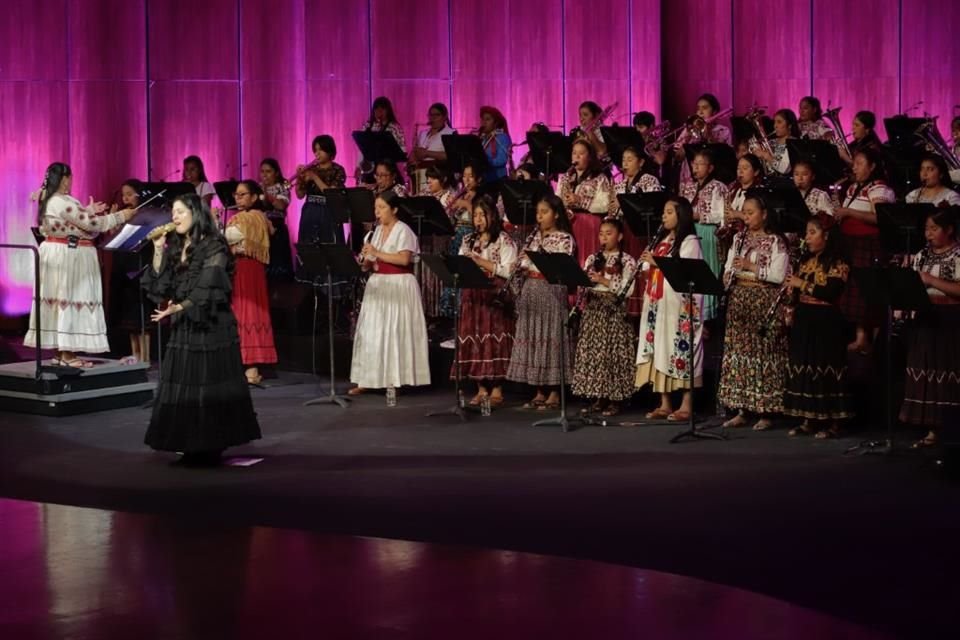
(158,285)
(208,288)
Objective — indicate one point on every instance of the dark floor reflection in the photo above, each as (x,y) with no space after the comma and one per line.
(85,574)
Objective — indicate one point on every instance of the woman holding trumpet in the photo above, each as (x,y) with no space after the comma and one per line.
(316,223)
(589,116)
(755,348)
(428,148)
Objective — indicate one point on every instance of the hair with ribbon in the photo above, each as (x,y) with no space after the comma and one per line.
(52,178)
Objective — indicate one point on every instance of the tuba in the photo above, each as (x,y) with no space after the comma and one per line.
(754,117)
(934,141)
(833,115)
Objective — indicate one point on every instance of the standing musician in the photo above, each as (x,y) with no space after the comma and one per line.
(126,297)
(861,238)
(936,187)
(316,221)
(664,324)
(604,366)
(71,294)
(811,123)
(487,327)
(755,348)
(804,179)
(587,193)
(460,209)
(635,178)
(542,311)
(496,141)
(700,128)
(644,122)
(390,345)
(749,176)
(933,351)
(773,151)
(589,129)
(382,118)
(817,378)
(707,196)
(248,235)
(428,146)
(864,135)
(437,185)
(195,174)
(276,198)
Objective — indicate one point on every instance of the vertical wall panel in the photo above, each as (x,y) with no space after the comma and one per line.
(697,54)
(771,53)
(198,118)
(32,45)
(930,59)
(107,39)
(191,40)
(341,27)
(645,45)
(271,40)
(855,60)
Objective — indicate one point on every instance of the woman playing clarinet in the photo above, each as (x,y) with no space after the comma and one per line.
(755,348)
(587,193)
(817,377)
(933,351)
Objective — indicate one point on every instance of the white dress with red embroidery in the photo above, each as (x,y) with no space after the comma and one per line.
(71,292)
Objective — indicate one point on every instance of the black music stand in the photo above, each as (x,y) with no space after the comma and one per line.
(326,259)
(560,268)
(724,159)
(901,226)
(225,191)
(168,191)
(785,204)
(822,154)
(640,208)
(457,272)
(462,150)
(550,152)
(377,146)
(520,198)
(901,132)
(353,205)
(691,276)
(618,139)
(894,288)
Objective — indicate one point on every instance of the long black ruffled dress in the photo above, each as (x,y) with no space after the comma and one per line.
(203,403)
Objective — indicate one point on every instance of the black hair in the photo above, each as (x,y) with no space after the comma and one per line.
(599,259)
(391,198)
(475,168)
(646,166)
(867,119)
(594,167)
(685,224)
(254,187)
(804,162)
(594,108)
(390,166)
(492,214)
(382,102)
(326,143)
(438,174)
(530,168)
(874,158)
(707,155)
(197,161)
(814,102)
(792,122)
(273,164)
(203,223)
(442,108)
(833,250)
(134,184)
(559,211)
(941,166)
(52,178)
(755,163)
(945,217)
(644,119)
(711,99)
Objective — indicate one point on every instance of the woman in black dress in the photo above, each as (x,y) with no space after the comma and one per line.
(203,404)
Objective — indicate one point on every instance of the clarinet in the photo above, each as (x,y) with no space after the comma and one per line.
(782,296)
(503,298)
(622,294)
(598,258)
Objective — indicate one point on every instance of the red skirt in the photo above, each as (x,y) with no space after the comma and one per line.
(634,245)
(485,338)
(862,251)
(251,306)
(586,231)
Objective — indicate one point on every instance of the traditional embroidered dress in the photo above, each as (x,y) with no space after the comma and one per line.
(780,165)
(707,200)
(633,244)
(497,146)
(862,242)
(462,221)
(815,130)
(316,221)
(595,200)
(393,128)
(754,366)
(203,402)
(541,318)
(390,345)
(430,286)
(248,232)
(818,201)
(664,348)
(933,351)
(428,140)
(281,256)
(604,364)
(817,377)
(945,195)
(71,292)
(487,329)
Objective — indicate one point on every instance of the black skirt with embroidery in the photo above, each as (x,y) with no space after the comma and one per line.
(817,377)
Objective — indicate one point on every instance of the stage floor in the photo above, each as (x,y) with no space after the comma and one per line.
(868,539)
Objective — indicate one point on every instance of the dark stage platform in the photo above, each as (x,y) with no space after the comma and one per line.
(870,540)
(88,574)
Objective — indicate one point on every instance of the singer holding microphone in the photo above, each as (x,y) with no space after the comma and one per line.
(603,369)
(755,347)
(390,345)
(665,320)
(203,404)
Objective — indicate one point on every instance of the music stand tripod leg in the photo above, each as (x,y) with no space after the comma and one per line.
(332,398)
(456,409)
(561,420)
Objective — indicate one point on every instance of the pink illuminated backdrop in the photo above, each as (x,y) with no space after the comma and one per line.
(127,88)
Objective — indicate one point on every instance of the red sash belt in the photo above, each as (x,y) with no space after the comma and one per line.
(81,242)
(536,275)
(386,269)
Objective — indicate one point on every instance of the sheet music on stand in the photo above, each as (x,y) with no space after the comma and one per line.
(133,234)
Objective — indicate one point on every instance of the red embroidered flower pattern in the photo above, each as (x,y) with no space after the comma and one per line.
(681,364)
(650,336)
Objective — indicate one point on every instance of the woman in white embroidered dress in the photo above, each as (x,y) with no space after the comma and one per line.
(587,192)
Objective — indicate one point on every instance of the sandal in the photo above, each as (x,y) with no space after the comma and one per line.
(255,381)
(496,401)
(356,391)
(657,414)
(476,400)
(735,422)
(800,430)
(828,434)
(612,409)
(536,403)
(596,407)
(547,406)
(762,425)
(679,416)
(74,363)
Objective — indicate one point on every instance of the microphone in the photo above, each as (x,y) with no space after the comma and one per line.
(172,173)
(162,230)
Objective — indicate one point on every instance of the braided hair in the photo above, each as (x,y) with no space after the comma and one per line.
(52,178)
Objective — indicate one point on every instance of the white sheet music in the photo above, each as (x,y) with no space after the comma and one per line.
(125,233)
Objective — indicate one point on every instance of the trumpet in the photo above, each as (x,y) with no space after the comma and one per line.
(696,126)
(594,125)
(162,230)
